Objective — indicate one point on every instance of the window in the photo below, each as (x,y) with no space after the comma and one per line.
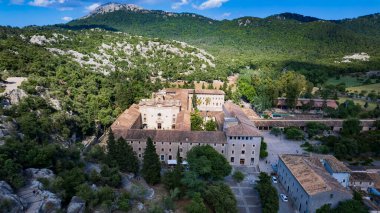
(254,145)
(180,149)
(235,138)
(170,150)
(239,138)
(191,144)
(253,152)
(162,157)
(233,151)
(162,150)
(139,149)
(170,157)
(222,151)
(246,138)
(214,144)
(242,152)
(233,144)
(139,155)
(159,114)
(243,145)
(223,144)
(162,143)
(331,196)
(232,159)
(180,143)
(242,161)
(230,137)
(170,143)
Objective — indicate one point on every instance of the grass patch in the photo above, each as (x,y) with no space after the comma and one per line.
(371,106)
(348,80)
(368,88)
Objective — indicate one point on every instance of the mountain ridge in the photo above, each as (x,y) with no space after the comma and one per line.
(114,6)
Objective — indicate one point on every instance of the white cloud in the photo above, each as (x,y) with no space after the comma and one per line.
(179,4)
(210,4)
(45,3)
(17,1)
(92,7)
(67,18)
(225,15)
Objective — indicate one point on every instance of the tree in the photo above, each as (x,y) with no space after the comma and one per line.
(350,206)
(263,149)
(220,198)
(293,133)
(210,125)
(172,179)
(125,157)
(193,183)
(196,121)
(151,164)
(293,84)
(238,176)
(111,148)
(351,127)
(208,163)
(275,131)
(268,194)
(196,205)
(194,101)
(315,128)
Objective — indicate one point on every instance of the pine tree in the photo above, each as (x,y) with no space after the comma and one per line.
(151,164)
(111,148)
(126,158)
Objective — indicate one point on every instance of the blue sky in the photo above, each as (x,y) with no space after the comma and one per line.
(42,12)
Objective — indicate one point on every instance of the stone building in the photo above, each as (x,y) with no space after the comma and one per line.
(308,183)
(165,118)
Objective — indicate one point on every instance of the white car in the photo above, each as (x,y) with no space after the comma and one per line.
(284,197)
(274,179)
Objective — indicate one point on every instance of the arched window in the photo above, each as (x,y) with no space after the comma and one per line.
(159,114)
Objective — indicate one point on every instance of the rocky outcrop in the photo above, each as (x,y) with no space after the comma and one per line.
(9,202)
(16,95)
(39,173)
(76,205)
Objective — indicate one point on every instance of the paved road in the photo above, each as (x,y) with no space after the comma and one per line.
(285,207)
(247,198)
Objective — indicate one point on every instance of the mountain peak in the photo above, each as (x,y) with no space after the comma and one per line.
(113,6)
(294,16)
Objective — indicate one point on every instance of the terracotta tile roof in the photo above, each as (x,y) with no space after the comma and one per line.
(318,103)
(245,126)
(197,91)
(128,118)
(311,174)
(376,178)
(172,136)
(183,121)
(288,123)
(361,177)
(336,165)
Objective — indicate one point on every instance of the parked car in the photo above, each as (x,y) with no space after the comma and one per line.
(274,179)
(284,197)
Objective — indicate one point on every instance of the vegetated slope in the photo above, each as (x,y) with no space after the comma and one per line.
(279,39)
(95,74)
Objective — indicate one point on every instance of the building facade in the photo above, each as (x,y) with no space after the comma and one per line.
(165,118)
(308,184)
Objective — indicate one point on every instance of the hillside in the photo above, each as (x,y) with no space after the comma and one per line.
(283,40)
(95,74)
